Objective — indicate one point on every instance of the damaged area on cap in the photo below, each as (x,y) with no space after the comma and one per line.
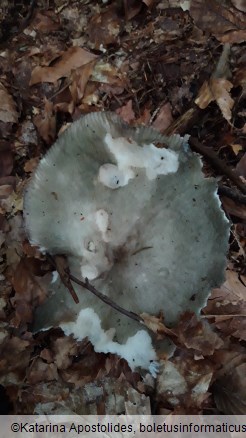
(129,156)
(125,213)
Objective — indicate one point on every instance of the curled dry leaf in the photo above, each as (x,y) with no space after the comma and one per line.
(156,325)
(80,78)
(46,122)
(8,113)
(216,89)
(70,60)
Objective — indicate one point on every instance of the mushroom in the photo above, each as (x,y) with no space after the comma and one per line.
(138,220)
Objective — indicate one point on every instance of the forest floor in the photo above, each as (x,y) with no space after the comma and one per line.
(178,66)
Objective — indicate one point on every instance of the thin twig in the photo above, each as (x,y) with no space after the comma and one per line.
(217,162)
(105,299)
(59,262)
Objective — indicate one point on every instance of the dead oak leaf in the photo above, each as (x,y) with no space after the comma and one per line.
(71,59)
(8,113)
(46,122)
(216,89)
(155,324)
(230,390)
(221,20)
(80,78)
(227,305)
(197,335)
(40,371)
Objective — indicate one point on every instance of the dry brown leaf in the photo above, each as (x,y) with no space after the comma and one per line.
(234,37)
(184,382)
(234,286)
(132,8)
(73,58)
(144,118)
(164,118)
(8,113)
(197,335)
(216,89)
(232,325)
(80,78)
(126,112)
(230,391)
(204,96)
(30,165)
(241,166)
(228,306)
(28,293)
(156,325)
(64,349)
(5,189)
(220,88)
(104,28)
(218,19)
(41,372)
(15,357)
(45,21)
(46,122)
(239,4)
